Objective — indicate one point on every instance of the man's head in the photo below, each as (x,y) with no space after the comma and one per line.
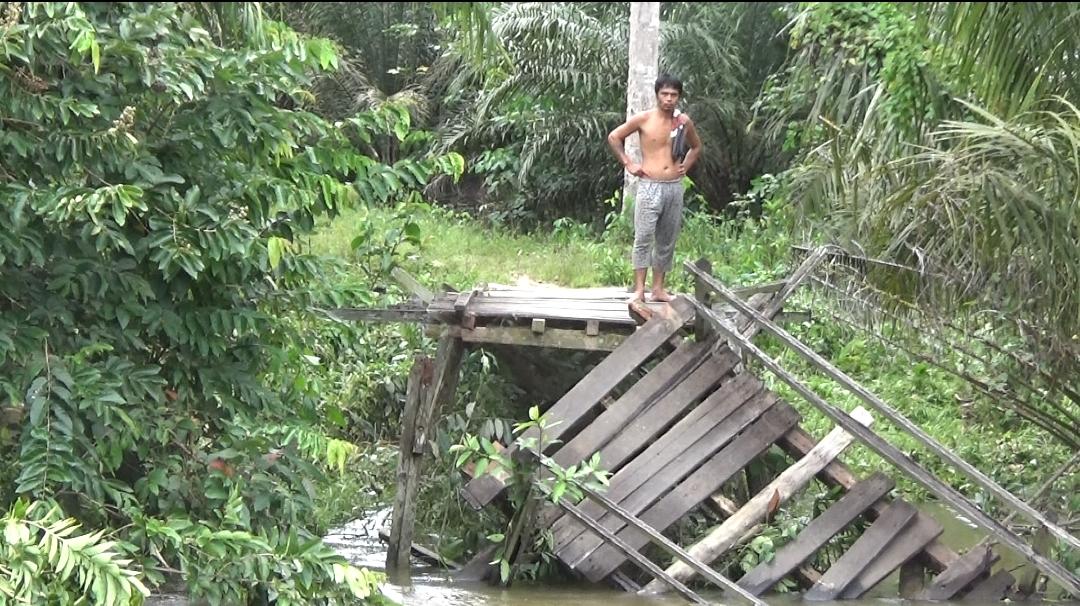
(668,89)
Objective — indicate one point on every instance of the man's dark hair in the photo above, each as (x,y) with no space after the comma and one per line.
(668,81)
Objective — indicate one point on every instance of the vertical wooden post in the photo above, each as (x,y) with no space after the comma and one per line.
(912,578)
(401,526)
(702,328)
(430,386)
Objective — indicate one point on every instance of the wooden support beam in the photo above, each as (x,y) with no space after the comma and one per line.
(402,520)
(972,565)
(423,553)
(871,400)
(538,325)
(702,329)
(553,338)
(883,448)
(444,382)
(787,484)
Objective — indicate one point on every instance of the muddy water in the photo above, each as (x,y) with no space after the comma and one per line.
(359,542)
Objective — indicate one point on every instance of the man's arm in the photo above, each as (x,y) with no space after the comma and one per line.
(617,140)
(695,148)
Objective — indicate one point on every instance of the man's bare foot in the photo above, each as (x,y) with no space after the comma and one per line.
(639,295)
(661,295)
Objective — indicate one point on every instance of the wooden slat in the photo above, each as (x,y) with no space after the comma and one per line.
(402,520)
(858,556)
(706,480)
(628,551)
(920,530)
(664,465)
(782,488)
(797,443)
(898,458)
(579,401)
(412,285)
(678,552)
(817,533)
(973,564)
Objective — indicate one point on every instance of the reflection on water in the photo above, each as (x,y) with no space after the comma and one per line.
(358,541)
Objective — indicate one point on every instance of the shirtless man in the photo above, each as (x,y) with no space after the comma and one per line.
(659,204)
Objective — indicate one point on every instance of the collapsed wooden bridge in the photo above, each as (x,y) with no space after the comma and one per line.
(674,414)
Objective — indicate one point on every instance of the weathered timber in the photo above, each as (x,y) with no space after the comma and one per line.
(692,491)
(381,315)
(628,551)
(678,552)
(672,457)
(424,554)
(920,530)
(912,579)
(402,520)
(859,555)
(573,406)
(797,443)
(893,455)
(413,285)
(871,400)
(554,338)
(816,534)
(786,485)
(972,565)
(702,329)
(992,589)
(444,382)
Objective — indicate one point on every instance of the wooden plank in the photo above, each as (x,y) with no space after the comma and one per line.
(786,485)
(817,533)
(702,329)
(552,338)
(797,443)
(580,400)
(592,328)
(692,491)
(859,555)
(462,301)
(443,384)
(992,589)
(912,579)
(973,564)
(538,326)
(893,455)
(667,462)
(403,516)
(423,553)
(874,402)
(678,552)
(920,530)
(412,285)
(630,552)
(346,314)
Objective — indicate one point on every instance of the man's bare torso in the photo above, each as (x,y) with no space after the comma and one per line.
(655,136)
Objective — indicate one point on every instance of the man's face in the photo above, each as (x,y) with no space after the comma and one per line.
(667,98)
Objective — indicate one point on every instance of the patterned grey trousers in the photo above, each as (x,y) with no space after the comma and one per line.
(657,222)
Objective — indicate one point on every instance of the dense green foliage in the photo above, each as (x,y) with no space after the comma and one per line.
(158,165)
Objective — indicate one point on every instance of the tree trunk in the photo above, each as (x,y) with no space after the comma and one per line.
(644,66)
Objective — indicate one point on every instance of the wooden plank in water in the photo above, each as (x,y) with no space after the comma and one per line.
(973,564)
(669,460)
(786,485)
(858,556)
(992,589)
(706,480)
(817,533)
(797,443)
(921,530)
(579,401)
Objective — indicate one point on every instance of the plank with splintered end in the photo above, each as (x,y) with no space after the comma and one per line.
(646,426)
(817,534)
(973,564)
(920,530)
(706,480)
(668,461)
(565,414)
(797,443)
(859,555)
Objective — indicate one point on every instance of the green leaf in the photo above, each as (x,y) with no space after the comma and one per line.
(504,570)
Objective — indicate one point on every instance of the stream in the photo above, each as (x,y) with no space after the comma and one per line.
(358,541)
